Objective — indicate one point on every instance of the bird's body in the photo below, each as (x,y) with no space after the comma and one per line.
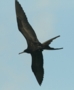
(34,48)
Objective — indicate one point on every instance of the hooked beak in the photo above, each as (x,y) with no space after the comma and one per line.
(21,52)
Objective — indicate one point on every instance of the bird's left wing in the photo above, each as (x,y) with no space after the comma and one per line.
(23,24)
(37,66)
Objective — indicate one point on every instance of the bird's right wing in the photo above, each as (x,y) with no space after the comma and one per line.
(23,25)
(37,66)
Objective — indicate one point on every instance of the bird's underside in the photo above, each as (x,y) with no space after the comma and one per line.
(35,48)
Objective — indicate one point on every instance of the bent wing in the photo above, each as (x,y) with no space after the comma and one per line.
(23,25)
(37,66)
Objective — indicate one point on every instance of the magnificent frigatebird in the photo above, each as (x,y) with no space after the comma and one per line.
(34,48)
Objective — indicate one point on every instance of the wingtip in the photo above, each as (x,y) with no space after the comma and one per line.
(40,83)
(15,0)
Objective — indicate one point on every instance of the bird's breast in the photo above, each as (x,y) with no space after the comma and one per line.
(35,46)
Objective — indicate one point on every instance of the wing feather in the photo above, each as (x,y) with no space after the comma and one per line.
(23,25)
(37,66)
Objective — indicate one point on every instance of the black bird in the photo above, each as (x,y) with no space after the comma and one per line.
(34,48)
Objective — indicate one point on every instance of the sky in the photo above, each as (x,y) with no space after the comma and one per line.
(48,18)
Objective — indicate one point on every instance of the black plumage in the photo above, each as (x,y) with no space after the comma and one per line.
(35,48)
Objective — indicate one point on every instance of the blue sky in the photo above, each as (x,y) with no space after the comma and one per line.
(48,18)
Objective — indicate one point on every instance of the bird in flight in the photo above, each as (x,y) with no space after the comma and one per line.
(34,48)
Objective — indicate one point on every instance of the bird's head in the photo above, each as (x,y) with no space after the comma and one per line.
(24,51)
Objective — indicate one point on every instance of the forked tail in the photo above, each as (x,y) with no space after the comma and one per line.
(46,44)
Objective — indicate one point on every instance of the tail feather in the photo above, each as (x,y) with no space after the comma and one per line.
(46,44)
(51,48)
(49,41)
